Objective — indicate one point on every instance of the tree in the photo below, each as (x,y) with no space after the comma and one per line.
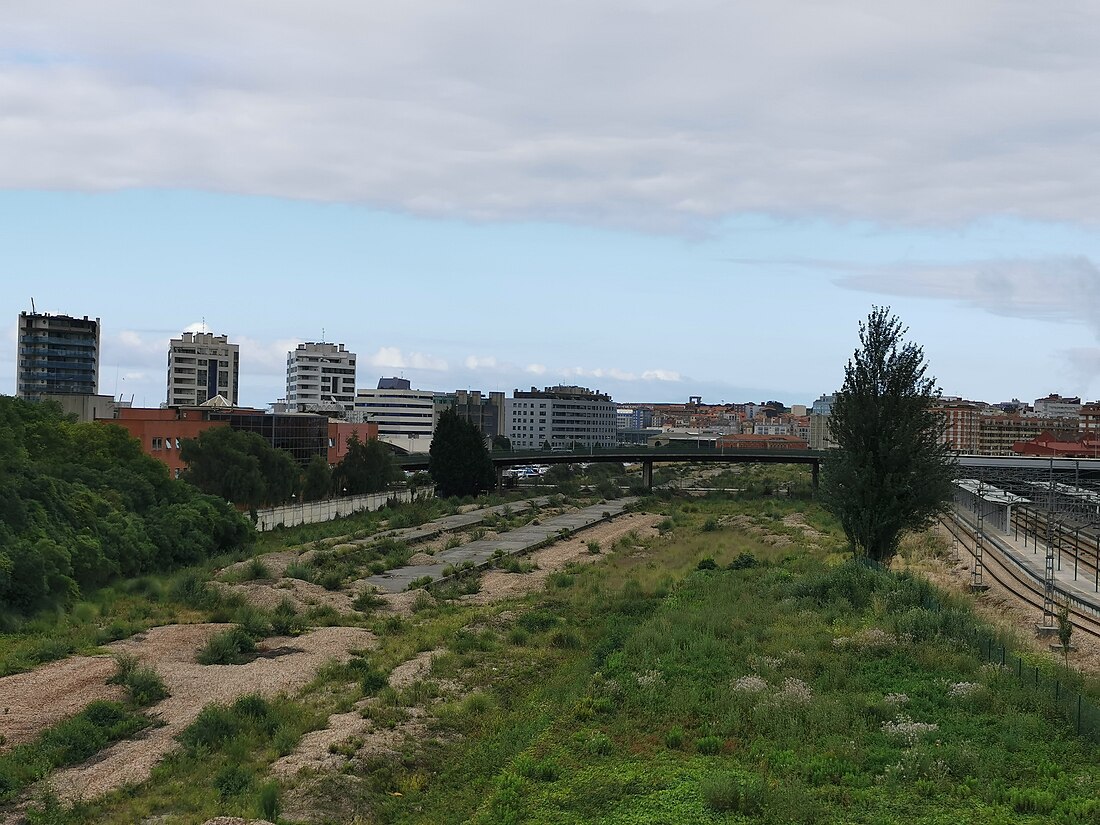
(459,462)
(893,469)
(502,442)
(317,481)
(367,467)
(1065,631)
(238,466)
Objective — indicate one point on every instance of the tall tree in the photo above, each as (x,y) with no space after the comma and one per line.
(459,462)
(367,467)
(317,481)
(892,472)
(240,467)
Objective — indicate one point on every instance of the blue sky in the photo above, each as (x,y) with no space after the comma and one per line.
(654,199)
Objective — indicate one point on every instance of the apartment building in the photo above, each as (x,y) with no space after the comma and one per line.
(405,417)
(56,355)
(486,412)
(1055,406)
(202,365)
(320,377)
(562,416)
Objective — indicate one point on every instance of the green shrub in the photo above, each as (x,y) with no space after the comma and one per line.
(710,525)
(593,548)
(706,564)
(214,725)
(536,621)
(229,647)
(708,745)
(144,684)
(542,770)
(267,804)
(232,780)
(674,739)
(285,620)
(256,569)
(744,561)
(599,744)
(299,570)
(565,640)
(733,794)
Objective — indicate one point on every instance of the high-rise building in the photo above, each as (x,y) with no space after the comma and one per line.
(202,365)
(486,412)
(57,355)
(563,416)
(319,378)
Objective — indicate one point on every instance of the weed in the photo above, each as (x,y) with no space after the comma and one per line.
(593,548)
(706,564)
(726,793)
(267,803)
(144,684)
(710,525)
(708,745)
(233,780)
(229,647)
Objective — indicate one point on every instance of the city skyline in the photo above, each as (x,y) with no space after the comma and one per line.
(655,201)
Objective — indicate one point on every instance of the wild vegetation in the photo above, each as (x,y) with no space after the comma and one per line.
(733,669)
(81,506)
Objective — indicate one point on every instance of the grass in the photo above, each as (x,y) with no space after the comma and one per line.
(142,682)
(68,742)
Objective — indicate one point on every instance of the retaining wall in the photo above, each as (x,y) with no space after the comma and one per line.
(311,512)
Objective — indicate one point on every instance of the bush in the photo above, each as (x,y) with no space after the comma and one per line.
(732,794)
(710,525)
(268,803)
(232,780)
(256,569)
(674,739)
(229,647)
(743,561)
(708,745)
(285,620)
(214,725)
(706,564)
(144,684)
(536,621)
(593,548)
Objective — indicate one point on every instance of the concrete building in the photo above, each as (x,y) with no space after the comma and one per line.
(202,365)
(562,416)
(998,432)
(405,417)
(820,412)
(486,412)
(1055,406)
(320,377)
(960,424)
(56,355)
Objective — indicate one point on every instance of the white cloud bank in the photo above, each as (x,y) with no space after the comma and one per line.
(662,114)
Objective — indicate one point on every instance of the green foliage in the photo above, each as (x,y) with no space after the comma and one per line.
(502,443)
(893,469)
(317,479)
(66,743)
(143,682)
(367,467)
(268,804)
(1065,631)
(459,462)
(81,506)
(229,647)
(239,466)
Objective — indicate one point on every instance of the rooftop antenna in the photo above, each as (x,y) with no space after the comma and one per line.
(33,310)
(204,324)
(322,335)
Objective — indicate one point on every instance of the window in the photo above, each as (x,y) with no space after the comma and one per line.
(158,443)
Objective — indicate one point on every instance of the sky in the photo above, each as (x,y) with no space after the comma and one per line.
(654,199)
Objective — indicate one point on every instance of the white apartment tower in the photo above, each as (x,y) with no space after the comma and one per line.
(320,378)
(202,365)
(562,416)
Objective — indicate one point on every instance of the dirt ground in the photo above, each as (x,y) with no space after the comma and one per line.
(171,650)
(269,594)
(497,585)
(1000,607)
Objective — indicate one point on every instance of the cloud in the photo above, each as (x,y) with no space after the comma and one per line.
(474,362)
(1046,289)
(394,358)
(665,114)
(535,369)
(620,375)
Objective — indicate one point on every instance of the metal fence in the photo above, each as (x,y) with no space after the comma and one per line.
(1082,714)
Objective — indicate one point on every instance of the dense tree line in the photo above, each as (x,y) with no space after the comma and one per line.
(458,459)
(80,505)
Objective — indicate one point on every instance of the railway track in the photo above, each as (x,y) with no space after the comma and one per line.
(1024,585)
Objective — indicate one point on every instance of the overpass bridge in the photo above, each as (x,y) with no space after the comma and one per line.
(646,456)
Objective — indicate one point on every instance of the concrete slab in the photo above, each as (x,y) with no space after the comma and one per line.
(515,542)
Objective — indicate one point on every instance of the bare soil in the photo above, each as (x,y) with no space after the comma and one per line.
(269,593)
(171,650)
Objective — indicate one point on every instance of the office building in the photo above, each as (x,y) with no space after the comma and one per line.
(565,417)
(57,355)
(320,378)
(486,412)
(405,417)
(202,365)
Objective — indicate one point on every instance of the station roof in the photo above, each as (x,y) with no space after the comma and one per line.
(987,492)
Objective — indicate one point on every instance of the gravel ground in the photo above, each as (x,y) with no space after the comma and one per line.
(171,650)
(497,585)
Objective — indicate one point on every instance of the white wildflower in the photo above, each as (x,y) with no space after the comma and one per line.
(649,677)
(795,690)
(896,699)
(750,684)
(960,690)
(906,730)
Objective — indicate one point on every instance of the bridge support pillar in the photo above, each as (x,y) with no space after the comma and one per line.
(500,478)
(647,474)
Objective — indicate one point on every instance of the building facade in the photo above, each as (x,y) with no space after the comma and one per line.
(202,365)
(486,412)
(320,377)
(405,417)
(561,416)
(56,355)
(1055,406)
